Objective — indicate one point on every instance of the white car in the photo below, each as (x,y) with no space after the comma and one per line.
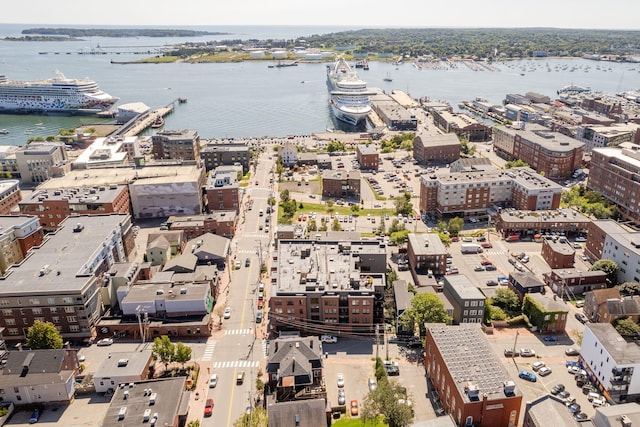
(373,384)
(104,342)
(536,366)
(213,381)
(544,371)
(329,339)
(527,352)
(227,313)
(340,381)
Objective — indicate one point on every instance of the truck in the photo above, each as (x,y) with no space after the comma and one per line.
(470,248)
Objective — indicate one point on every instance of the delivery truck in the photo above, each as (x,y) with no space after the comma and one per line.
(470,248)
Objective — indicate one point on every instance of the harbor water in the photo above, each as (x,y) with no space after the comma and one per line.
(249,99)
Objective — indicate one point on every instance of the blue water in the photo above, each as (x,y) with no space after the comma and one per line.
(250,100)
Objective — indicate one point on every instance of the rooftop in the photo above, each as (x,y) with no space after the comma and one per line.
(463,287)
(97,195)
(8,185)
(470,360)
(59,264)
(560,247)
(177,135)
(544,137)
(211,146)
(184,221)
(340,174)
(105,150)
(565,215)
(426,244)
(124,364)
(367,149)
(10,223)
(550,411)
(622,352)
(550,303)
(438,140)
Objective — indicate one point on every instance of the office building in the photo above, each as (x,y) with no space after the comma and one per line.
(176,144)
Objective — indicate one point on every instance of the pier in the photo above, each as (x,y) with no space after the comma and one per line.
(140,123)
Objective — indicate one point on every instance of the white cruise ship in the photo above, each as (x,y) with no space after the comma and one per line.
(58,95)
(348,94)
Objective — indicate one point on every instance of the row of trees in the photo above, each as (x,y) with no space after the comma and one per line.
(589,202)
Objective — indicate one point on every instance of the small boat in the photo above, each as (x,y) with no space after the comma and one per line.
(182,100)
(4,132)
(388,78)
(158,122)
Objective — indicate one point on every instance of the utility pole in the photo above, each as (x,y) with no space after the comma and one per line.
(377,340)
(513,354)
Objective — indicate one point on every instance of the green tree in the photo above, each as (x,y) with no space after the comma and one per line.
(335,146)
(455,226)
(392,276)
(629,288)
(355,208)
(163,350)
(194,423)
(507,300)
(257,418)
(608,266)
(335,226)
(382,228)
(445,239)
(284,196)
(389,399)
(627,327)
(399,237)
(182,353)
(425,308)
(43,336)
(396,226)
(441,226)
(312,225)
(403,204)
(515,164)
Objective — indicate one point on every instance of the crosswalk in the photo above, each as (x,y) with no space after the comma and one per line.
(255,235)
(495,252)
(265,347)
(236,364)
(244,331)
(248,251)
(208,351)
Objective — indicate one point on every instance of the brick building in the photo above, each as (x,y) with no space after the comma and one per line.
(522,223)
(426,252)
(10,196)
(573,282)
(462,125)
(543,150)
(368,157)
(323,285)
(615,173)
(341,184)
(54,206)
(471,384)
(176,144)
(222,189)
(558,252)
(221,223)
(547,313)
(472,191)
(19,233)
(436,149)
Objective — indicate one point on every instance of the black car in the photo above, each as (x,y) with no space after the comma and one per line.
(574,408)
(580,416)
(247,262)
(558,388)
(492,283)
(581,318)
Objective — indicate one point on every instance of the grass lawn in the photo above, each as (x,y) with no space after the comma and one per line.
(357,422)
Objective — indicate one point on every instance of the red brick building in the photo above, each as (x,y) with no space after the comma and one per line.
(9,196)
(558,253)
(472,385)
(368,157)
(222,189)
(436,149)
(53,206)
(426,252)
(221,223)
(463,125)
(341,184)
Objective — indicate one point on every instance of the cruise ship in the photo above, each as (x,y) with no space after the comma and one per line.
(56,95)
(348,94)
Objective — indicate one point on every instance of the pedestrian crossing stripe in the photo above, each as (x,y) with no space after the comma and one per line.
(244,331)
(265,348)
(208,351)
(236,364)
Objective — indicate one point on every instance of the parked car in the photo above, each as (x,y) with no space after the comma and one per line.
(104,342)
(581,318)
(478,268)
(259,317)
(600,401)
(576,370)
(580,416)
(340,380)
(537,365)
(557,389)
(491,267)
(509,352)
(354,408)
(227,313)
(247,262)
(572,352)
(372,384)
(575,407)
(492,283)
(213,381)
(526,375)
(581,239)
(208,408)
(564,394)
(550,338)
(35,416)
(329,339)
(486,245)
(544,371)
(527,352)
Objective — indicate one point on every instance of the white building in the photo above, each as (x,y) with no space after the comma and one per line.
(623,247)
(289,154)
(122,368)
(106,152)
(612,362)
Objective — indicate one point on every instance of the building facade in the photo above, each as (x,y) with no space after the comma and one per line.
(368,157)
(472,385)
(215,155)
(18,234)
(426,252)
(558,253)
(39,161)
(223,189)
(10,196)
(465,297)
(221,223)
(436,149)
(608,239)
(176,144)
(341,184)
(462,125)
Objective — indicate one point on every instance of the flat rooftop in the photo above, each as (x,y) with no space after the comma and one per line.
(340,174)
(426,244)
(211,146)
(326,266)
(124,364)
(564,215)
(9,223)
(99,194)
(463,287)
(62,257)
(185,221)
(438,140)
(367,149)
(470,359)
(623,352)
(154,174)
(563,248)
(544,137)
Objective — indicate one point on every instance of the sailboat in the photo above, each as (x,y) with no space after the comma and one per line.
(388,78)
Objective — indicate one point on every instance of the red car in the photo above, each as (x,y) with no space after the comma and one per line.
(208,408)
(486,262)
(256,182)
(354,407)
(486,245)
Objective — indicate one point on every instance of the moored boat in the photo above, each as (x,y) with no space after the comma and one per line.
(348,94)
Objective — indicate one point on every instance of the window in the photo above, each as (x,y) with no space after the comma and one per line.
(10,322)
(7,312)
(69,310)
(72,319)
(36,311)
(469,421)
(55,319)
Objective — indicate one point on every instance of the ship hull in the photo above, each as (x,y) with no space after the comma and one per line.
(348,95)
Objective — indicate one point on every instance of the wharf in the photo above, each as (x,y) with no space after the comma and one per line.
(139,124)
(467,105)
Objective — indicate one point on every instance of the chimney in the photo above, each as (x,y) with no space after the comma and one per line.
(67,345)
(19,346)
(293,365)
(311,343)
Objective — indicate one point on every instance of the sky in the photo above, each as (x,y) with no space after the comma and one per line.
(611,14)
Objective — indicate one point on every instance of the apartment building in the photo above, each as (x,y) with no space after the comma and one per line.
(558,253)
(612,363)
(615,173)
(521,223)
(341,184)
(54,206)
(436,149)
(39,161)
(368,157)
(10,196)
(426,252)
(554,154)
(59,281)
(18,234)
(472,191)
(608,239)
(223,189)
(214,155)
(462,125)
(471,384)
(221,223)
(466,299)
(607,136)
(107,152)
(321,286)
(607,305)
(289,155)
(180,145)
(571,281)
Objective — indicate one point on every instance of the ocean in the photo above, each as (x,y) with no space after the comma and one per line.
(249,99)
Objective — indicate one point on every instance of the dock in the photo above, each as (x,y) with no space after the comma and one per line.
(139,124)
